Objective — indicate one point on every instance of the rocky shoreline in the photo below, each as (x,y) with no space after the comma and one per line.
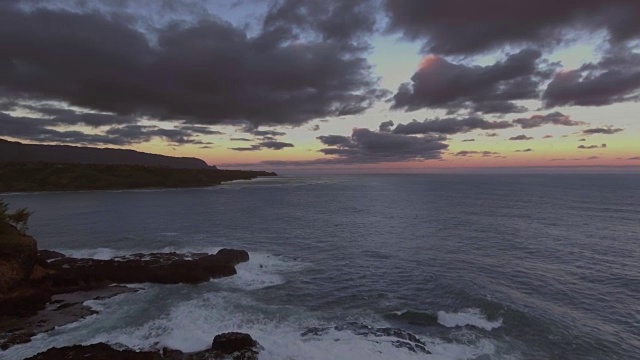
(41,290)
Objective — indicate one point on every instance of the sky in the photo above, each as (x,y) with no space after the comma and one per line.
(327,85)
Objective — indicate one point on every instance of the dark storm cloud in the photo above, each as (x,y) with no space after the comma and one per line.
(335,140)
(344,21)
(63,116)
(554,118)
(449,126)
(386,126)
(465,153)
(605,131)
(35,129)
(41,129)
(249,148)
(275,145)
(367,146)
(589,147)
(468,27)
(272,145)
(202,72)
(142,133)
(615,78)
(488,89)
(267,133)
(203,130)
(520,137)
(240,139)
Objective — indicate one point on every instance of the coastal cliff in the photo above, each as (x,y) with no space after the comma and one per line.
(40,176)
(43,289)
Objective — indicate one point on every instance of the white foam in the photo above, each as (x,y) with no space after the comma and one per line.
(108,253)
(261,271)
(190,326)
(473,317)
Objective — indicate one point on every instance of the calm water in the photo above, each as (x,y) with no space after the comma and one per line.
(478,266)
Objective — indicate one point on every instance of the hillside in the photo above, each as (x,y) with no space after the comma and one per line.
(18,152)
(39,176)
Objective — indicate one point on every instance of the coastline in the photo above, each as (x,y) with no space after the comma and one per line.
(42,290)
(30,177)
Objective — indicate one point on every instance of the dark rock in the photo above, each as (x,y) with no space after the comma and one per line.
(239,345)
(98,351)
(62,310)
(171,268)
(232,256)
(19,338)
(405,339)
(235,346)
(47,255)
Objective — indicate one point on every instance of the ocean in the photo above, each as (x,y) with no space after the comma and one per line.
(477,266)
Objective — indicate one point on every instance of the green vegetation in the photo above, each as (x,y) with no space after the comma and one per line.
(38,176)
(19,218)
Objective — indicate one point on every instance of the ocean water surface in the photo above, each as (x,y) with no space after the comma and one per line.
(477,266)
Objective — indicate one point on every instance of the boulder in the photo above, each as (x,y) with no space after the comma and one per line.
(238,346)
(232,257)
(71,274)
(235,346)
(98,351)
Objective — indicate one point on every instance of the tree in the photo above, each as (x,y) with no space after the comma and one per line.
(19,218)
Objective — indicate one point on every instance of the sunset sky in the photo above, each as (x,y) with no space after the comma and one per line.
(401,85)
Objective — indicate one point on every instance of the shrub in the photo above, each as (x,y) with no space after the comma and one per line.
(19,218)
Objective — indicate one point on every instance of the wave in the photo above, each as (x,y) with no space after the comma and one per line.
(263,270)
(190,326)
(467,317)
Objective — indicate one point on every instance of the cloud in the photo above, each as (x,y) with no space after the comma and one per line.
(270,144)
(615,78)
(449,126)
(634,158)
(367,146)
(315,127)
(465,153)
(592,158)
(468,140)
(582,140)
(202,72)
(266,132)
(491,134)
(547,137)
(487,89)
(249,148)
(520,137)
(386,126)
(240,139)
(275,145)
(609,130)
(204,130)
(554,118)
(468,27)
(43,130)
(602,146)
(68,117)
(524,151)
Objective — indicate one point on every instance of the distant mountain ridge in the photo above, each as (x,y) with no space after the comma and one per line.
(19,152)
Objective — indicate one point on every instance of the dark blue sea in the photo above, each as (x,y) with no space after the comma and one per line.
(476,266)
